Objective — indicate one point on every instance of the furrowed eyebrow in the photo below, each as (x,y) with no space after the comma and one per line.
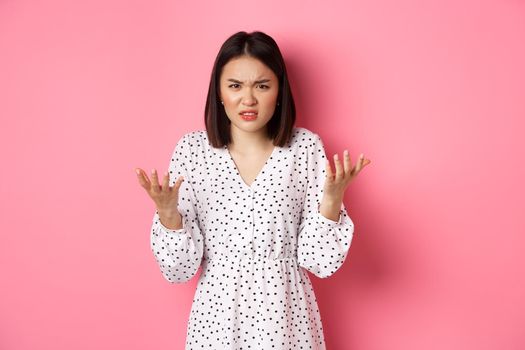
(256,82)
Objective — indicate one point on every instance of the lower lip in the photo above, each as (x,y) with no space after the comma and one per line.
(249,117)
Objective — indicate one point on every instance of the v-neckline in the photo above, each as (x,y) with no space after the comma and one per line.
(241,180)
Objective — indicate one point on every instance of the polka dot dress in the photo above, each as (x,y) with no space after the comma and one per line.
(255,244)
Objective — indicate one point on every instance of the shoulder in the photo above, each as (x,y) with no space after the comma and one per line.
(186,145)
(305,137)
(301,136)
(192,138)
(194,135)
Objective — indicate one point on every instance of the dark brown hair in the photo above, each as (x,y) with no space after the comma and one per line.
(264,48)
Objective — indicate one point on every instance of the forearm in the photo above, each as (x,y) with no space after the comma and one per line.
(172,221)
(330,207)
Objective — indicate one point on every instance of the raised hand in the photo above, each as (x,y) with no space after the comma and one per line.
(335,184)
(165,197)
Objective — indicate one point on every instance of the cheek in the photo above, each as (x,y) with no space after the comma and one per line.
(272,99)
(229,97)
(274,95)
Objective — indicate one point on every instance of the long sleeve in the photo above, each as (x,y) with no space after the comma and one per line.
(179,252)
(323,244)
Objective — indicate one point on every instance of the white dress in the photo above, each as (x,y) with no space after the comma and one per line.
(254,244)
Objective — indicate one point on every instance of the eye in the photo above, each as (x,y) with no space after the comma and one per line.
(232,85)
(265,86)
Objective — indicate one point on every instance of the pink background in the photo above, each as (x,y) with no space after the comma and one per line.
(431,91)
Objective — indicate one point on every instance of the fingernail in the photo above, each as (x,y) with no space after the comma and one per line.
(137,171)
(153,171)
(346,152)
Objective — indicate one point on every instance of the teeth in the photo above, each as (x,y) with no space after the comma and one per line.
(248,113)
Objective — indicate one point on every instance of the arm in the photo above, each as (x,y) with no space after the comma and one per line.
(179,252)
(323,243)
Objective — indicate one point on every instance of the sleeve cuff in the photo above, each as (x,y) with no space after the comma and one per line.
(325,221)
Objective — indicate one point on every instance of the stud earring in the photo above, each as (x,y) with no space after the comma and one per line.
(222,102)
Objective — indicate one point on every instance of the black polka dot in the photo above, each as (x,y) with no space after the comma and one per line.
(255,244)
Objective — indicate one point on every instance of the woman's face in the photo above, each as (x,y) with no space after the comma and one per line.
(248,84)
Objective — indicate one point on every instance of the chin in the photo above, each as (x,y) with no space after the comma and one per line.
(249,125)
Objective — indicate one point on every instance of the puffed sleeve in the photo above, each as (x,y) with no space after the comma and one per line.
(322,243)
(179,252)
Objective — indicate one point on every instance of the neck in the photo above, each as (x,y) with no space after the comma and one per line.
(249,142)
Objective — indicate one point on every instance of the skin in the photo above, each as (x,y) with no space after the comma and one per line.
(251,146)
(248,84)
(249,137)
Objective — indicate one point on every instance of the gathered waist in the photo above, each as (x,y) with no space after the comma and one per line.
(254,258)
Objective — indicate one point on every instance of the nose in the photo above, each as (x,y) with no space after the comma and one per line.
(248,98)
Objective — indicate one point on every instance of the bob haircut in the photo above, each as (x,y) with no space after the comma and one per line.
(264,48)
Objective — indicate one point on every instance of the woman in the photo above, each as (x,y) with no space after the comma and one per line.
(252,200)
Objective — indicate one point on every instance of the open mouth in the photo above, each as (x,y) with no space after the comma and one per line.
(248,115)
